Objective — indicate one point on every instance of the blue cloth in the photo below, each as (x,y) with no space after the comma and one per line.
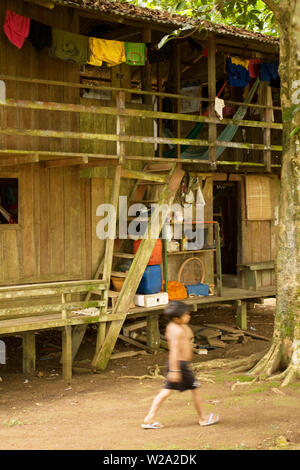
(237,74)
(268,71)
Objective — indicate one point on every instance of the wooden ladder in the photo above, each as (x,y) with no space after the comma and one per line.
(169,185)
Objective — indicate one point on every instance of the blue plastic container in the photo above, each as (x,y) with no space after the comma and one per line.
(151,282)
(198,289)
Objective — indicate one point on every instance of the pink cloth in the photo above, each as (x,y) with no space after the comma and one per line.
(16,28)
(254,68)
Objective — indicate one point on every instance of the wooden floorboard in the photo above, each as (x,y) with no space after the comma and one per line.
(55,320)
(229,294)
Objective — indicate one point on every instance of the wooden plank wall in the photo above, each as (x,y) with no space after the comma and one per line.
(259,238)
(46,244)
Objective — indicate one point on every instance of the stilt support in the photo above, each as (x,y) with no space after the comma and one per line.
(153,336)
(29,353)
(241,314)
(67,353)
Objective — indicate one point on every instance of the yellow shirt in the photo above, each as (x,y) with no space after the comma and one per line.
(111,52)
(242,62)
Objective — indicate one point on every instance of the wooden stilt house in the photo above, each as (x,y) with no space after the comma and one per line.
(75,135)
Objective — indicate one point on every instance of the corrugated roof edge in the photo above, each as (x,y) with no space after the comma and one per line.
(159,16)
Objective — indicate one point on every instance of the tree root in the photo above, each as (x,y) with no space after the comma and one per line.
(238,365)
(269,363)
(260,365)
(287,376)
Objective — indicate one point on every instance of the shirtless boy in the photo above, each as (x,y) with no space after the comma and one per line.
(179,376)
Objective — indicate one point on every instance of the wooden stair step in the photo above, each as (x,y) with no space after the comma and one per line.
(118,274)
(124,255)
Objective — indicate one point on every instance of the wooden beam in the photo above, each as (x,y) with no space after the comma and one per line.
(11,102)
(93,162)
(138,139)
(43,3)
(143,113)
(19,160)
(139,175)
(65,162)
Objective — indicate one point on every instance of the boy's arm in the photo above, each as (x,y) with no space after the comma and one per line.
(174,374)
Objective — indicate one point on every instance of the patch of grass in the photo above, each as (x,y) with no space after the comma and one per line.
(295,384)
(14,422)
(219,376)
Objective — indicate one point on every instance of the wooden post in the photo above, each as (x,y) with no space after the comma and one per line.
(29,354)
(212,132)
(147,69)
(160,108)
(153,335)
(218,260)
(101,335)
(165,261)
(120,126)
(67,353)
(267,131)
(178,86)
(241,314)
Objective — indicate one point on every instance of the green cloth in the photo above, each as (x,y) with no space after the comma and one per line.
(69,46)
(135,53)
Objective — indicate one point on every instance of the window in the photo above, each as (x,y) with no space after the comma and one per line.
(9,200)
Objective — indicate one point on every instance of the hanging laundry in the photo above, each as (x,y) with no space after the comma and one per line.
(40,35)
(135,53)
(237,75)
(268,71)
(156,55)
(105,50)
(239,61)
(69,46)
(16,28)
(254,67)
(219,106)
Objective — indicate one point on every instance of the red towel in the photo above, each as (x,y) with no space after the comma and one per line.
(16,28)
(254,65)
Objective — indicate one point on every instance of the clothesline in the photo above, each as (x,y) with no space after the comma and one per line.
(82,49)
(78,48)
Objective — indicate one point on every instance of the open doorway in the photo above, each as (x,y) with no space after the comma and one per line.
(225,208)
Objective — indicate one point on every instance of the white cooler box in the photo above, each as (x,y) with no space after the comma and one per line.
(151,300)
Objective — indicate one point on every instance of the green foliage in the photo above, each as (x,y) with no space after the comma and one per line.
(250,14)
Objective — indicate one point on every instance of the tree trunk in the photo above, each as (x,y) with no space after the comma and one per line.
(284,354)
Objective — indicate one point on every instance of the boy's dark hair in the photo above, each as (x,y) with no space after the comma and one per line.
(175,309)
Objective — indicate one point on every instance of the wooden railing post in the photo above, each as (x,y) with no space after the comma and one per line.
(120,126)
(146,70)
(267,131)
(212,133)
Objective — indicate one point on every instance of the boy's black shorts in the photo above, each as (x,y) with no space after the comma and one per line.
(188,380)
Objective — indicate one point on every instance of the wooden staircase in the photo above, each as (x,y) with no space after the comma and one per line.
(168,183)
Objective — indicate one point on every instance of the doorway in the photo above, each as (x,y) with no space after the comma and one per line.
(225,210)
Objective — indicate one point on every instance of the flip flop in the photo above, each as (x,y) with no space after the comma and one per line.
(213,419)
(152,426)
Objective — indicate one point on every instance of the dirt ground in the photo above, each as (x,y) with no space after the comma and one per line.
(104,411)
